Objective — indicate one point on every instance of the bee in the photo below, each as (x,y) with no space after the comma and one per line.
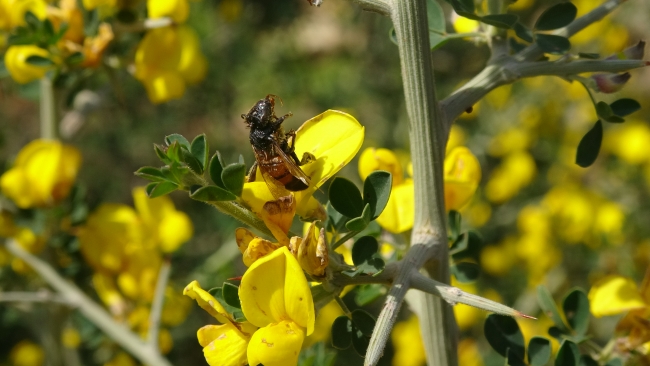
(274,150)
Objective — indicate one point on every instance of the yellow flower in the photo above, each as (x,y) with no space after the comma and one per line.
(275,296)
(108,231)
(12,12)
(166,59)
(615,295)
(333,137)
(42,175)
(178,10)
(165,226)
(225,344)
(27,353)
(516,171)
(462,173)
(92,4)
(94,47)
(22,71)
(409,350)
(251,247)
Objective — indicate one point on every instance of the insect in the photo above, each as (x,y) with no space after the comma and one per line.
(274,150)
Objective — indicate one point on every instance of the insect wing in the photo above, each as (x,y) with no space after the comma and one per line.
(300,180)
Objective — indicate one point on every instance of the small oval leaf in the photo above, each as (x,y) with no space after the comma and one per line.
(556,16)
(230,294)
(376,191)
(212,194)
(342,332)
(215,169)
(505,21)
(233,177)
(199,149)
(590,145)
(466,271)
(161,189)
(363,321)
(576,310)
(364,249)
(345,197)
(547,304)
(625,106)
(178,138)
(539,351)
(556,45)
(568,355)
(504,335)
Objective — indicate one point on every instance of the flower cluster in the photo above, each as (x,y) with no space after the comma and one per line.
(169,58)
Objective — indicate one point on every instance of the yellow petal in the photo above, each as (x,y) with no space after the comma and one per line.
(333,137)
(193,65)
(614,295)
(174,230)
(462,173)
(223,345)
(109,294)
(399,213)
(274,289)
(19,69)
(106,234)
(252,247)
(277,344)
(372,159)
(409,350)
(178,10)
(276,214)
(207,302)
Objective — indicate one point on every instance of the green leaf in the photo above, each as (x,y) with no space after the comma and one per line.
(162,155)
(231,294)
(585,360)
(568,355)
(237,314)
(32,20)
(513,359)
(522,32)
(614,362)
(363,321)
(178,138)
(151,173)
(342,332)
(604,110)
(466,271)
(360,223)
(588,55)
(459,244)
(216,168)
(459,6)
(504,335)
(211,194)
(233,177)
(346,198)
(505,21)
(576,310)
(436,40)
(199,149)
(376,191)
(556,45)
(589,146)
(435,17)
(365,294)
(75,58)
(160,189)
(547,304)
(364,249)
(48,28)
(192,162)
(556,333)
(556,16)
(539,351)
(174,152)
(360,341)
(39,61)
(454,220)
(624,107)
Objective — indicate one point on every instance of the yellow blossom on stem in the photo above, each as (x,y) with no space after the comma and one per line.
(22,71)
(166,60)
(312,251)
(225,344)
(12,12)
(94,47)
(462,173)
(42,175)
(334,138)
(275,296)
(165,226)
(252,247)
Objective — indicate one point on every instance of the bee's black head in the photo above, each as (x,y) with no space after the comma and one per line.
(261,114)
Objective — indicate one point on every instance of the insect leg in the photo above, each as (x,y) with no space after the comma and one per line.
(279,121)
(252,173)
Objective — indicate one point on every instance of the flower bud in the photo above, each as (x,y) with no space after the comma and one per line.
(631,53)
(20,70)
(609,83)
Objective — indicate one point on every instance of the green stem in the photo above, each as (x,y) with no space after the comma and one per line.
(48,109)
(344,307)
(345,238)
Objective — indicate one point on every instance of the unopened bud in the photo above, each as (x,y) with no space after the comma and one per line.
(631,53)
(609,83)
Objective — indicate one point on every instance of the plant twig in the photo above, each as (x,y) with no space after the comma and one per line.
(157,305)
(510,69)
(43,296)
(119,333)
(378,6)
(48,109)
